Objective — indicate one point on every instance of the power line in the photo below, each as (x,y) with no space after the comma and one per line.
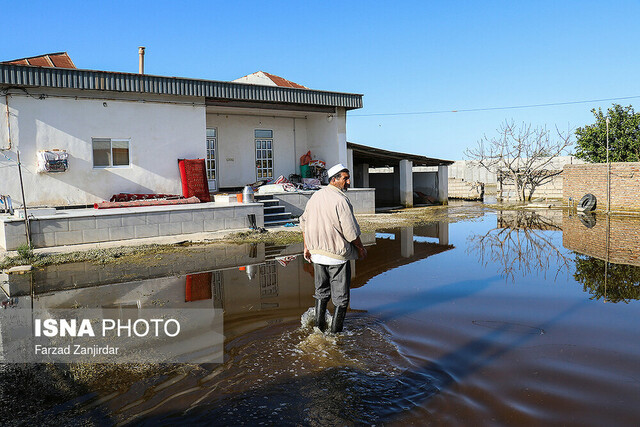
(513,107)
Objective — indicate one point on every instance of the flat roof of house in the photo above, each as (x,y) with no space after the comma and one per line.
(379,158)
(64,78)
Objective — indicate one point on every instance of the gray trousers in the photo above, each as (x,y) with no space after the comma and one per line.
(333,281)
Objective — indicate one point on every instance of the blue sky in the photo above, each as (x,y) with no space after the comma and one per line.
(404,56)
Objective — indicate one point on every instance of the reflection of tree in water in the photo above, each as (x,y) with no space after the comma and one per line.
(519,244)
(623,281)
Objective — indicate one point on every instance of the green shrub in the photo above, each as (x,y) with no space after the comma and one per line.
(25,252)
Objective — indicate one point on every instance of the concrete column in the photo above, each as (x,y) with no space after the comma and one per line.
(350,165)
(406,242)
(443,184)
(360,176)
(365,175)
(396,185)
(406,183)
(341,128)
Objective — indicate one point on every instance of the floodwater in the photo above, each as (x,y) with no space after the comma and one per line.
(512,318)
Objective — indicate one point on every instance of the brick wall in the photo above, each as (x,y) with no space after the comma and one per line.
(624,239)
(592,178)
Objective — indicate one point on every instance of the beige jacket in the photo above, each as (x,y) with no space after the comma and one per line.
(329,225)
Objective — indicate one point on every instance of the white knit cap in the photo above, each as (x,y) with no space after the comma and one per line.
(335,169)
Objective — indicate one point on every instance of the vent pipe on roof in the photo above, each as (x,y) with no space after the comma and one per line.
(141,60)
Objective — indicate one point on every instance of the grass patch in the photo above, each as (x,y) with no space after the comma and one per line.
(506,206)
(276,237)
(96,256)
(25,251)
(25,257)
(419,216)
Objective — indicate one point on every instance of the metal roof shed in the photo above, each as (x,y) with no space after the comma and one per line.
(404,184)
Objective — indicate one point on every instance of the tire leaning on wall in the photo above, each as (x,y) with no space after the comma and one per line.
(587,203)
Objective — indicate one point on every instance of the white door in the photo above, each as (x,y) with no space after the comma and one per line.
(211,163)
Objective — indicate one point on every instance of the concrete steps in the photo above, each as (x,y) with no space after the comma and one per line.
(274,214)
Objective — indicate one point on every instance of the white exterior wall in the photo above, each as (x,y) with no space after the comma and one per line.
(159,134)
(236,145)
(327,140)
(294,134)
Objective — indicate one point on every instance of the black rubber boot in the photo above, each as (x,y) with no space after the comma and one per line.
(321,310)
(338,319)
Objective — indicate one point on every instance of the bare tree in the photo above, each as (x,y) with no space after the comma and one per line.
(521,155)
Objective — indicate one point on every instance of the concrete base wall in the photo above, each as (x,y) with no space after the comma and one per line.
(471,171)
(548,190)
(362,200)
(93,226)
(461,189)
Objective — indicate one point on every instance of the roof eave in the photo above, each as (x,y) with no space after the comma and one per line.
(76,79)
(396,156)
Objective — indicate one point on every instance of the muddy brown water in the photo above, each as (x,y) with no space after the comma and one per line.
(486,322)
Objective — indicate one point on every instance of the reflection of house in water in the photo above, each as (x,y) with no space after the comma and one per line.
(277,292)
(399,247)
(255,285)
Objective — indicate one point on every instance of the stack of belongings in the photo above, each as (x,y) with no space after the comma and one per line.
(129,200)
(280,185)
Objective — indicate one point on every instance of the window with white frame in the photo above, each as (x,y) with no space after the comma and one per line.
(264,154)
(212,139)
(109,152)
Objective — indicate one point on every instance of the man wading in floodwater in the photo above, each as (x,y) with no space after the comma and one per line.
(331,238)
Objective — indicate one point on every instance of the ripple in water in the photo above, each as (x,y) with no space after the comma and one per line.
(304,376)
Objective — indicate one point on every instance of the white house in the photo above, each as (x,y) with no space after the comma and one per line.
(125,132)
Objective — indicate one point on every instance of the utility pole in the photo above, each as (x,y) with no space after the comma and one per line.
(24,203)
(608,172)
